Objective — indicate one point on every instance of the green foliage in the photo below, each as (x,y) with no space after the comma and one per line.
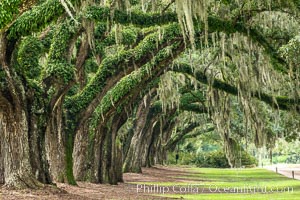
(291,51)
(192,97)
(113,65)
(100,29)
(185,158)
(48,39)
(132,81)
(8,9)
(215,24)
(128,36)
(57,60)
(137,18)
(248,160)
(218,159)
(284,103)
(61,70)
(35,19)
(134,2)
(60,41)
(146,59)
(90,66)
(29,52)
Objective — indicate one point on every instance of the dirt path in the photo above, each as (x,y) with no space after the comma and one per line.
(286,170)
(89,191)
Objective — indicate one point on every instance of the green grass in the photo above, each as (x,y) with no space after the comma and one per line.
(274,196)
(241,177)
(209,179)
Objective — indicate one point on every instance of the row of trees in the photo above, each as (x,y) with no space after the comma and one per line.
(89,89)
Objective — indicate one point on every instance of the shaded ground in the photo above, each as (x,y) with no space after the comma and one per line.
(286,170)
(89,191)
(161,174)
(134,184)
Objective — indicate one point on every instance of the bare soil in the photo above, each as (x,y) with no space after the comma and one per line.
(90,191)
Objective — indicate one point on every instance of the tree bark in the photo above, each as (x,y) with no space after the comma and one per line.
(14,128)
(115,158)
(80,153)
(107,156)
(1,155)
(149,135)
(55,145)
(38,161)
(17,167)
(119,164)
(232,151)
(97,164)
(133,161)
(146,144)
(150,157)
(271,156)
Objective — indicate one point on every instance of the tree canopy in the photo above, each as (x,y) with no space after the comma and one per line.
(89,89)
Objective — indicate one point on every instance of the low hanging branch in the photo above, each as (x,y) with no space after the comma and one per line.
(134,79)
(284,103)
(113,68)
(179,135)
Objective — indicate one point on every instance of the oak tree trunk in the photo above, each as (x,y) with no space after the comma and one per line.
(17,169)
(149,132)
(55,145)
(133,161)
(115,156)
(151,152)
(38,161)
(97,156)
(80,153)
(1,156)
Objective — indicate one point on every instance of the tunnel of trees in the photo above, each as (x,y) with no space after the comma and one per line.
(92,89)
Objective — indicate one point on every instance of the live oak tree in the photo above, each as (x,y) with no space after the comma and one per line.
(74,73)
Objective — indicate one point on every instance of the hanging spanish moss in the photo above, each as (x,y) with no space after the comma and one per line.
(187,10)
(168,90)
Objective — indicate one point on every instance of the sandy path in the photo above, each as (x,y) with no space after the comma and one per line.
(286,170)
(90,191)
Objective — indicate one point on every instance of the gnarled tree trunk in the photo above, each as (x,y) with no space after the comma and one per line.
(80,153)
(55,145)
(40,167)
(97,164)
(107,157)
(17,167)
(133,161)
(150,132)
(232,151)
(1,155)
(14,131)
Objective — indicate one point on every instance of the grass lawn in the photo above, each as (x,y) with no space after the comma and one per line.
(229,184)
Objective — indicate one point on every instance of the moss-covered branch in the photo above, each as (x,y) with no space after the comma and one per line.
(215,24)
(185,133)
(190,102)
(36,19)
(113,68)
(128,36)
(133,80)
(221,25)
(58,65)
(197,133)
(281,102)
(137,18)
